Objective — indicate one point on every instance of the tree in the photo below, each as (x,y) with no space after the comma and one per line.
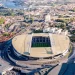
(2,20)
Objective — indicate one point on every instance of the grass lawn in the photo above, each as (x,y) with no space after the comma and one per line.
(41,45)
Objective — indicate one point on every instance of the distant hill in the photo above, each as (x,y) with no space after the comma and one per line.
(22,2)
(42,0)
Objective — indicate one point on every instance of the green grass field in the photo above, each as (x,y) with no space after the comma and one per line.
(41,45)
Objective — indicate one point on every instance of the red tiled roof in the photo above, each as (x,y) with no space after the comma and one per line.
(5,38)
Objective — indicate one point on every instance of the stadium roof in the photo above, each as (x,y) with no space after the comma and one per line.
(22,44)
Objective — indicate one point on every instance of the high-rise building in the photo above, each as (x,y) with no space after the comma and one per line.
(47,18)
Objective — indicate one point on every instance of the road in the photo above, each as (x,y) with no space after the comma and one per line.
(71,59)
(4,55)
(4,61)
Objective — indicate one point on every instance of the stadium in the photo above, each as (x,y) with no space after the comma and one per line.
(40,45)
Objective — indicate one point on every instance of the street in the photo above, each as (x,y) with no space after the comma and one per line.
(71,59)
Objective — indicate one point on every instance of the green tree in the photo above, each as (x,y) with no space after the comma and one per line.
(2,20)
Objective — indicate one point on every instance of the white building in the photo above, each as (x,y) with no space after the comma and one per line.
(47,18)
(59,31)
(66,32)
(46,29)
(50,30)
